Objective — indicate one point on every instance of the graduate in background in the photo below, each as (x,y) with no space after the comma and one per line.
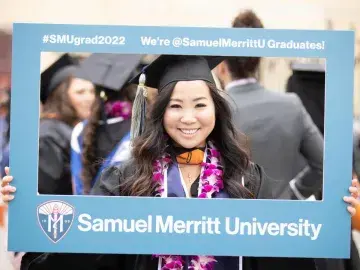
(104,138)
(308,82)
(283,138)
(66,101)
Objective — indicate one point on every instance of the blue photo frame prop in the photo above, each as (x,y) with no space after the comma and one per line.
(26,212)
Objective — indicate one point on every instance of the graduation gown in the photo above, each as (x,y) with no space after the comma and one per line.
(54,158)
(310,87)
(108,186)
(112,140)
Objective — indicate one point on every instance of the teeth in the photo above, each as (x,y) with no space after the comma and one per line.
(188,131)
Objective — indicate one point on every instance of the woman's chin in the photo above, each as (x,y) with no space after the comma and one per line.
(188,144)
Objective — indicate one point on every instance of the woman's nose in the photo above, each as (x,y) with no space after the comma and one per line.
(188,117)
(89,96)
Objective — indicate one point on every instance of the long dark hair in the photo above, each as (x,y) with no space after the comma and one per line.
(58,105)
(150,146)
(89,159)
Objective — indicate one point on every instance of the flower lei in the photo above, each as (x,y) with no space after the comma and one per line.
(210,182)
(118,109)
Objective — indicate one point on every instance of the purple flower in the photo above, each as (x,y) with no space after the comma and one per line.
(202,195)
(158,176)
(208,172)
(118,108)
(211,166)
(220,184)
(172,262)
(218,172)
(207,188)
(215,153)
(210,182)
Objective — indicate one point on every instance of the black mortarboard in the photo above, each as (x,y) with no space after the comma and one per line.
(54,75)
(173,68)
(108,70)
(164,70)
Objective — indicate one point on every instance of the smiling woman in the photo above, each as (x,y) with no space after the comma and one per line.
(190,115)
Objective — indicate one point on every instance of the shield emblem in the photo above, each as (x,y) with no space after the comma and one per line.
(55,219)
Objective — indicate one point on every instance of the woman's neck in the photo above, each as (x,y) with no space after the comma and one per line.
(177,145)
(194,156)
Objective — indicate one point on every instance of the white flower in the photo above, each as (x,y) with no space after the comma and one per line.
(211,179)
(214,160)
(205,260)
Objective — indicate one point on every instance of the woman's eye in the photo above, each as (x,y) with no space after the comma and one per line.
(175,106)
(201,105)
(80,92)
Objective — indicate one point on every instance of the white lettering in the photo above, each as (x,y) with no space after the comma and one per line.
(84,220)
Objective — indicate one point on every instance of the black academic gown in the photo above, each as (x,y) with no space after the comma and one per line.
(310,87)
(54,158)
(107,186)
(108,136)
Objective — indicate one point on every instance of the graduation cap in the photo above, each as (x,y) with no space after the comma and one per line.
(167,69)
(164,70)
(54,75)
(107,70)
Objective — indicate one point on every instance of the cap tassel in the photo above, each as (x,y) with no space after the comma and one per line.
(139,109)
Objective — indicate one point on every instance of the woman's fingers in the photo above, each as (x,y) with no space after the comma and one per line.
(354,189)
(8,189)
(6,180)
(352,201)
(7,170)
(7,197)
(354,192)
(351,210)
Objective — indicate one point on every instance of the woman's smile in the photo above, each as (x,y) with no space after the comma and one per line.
(189,132)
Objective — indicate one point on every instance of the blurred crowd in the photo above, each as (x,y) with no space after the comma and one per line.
(86,118)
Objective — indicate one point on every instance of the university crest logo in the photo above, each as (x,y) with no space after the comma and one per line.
(55,219)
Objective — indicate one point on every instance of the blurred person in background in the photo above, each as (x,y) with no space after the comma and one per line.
(104,138)
(308,82)
(279,129)
(66,100)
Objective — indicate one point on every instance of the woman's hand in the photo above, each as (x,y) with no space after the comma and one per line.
(353,200)
(6,189)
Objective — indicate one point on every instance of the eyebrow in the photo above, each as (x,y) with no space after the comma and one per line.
(196,99)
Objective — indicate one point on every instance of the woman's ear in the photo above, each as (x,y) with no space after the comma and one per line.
(221,70)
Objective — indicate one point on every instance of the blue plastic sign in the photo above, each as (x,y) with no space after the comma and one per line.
(96,224)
